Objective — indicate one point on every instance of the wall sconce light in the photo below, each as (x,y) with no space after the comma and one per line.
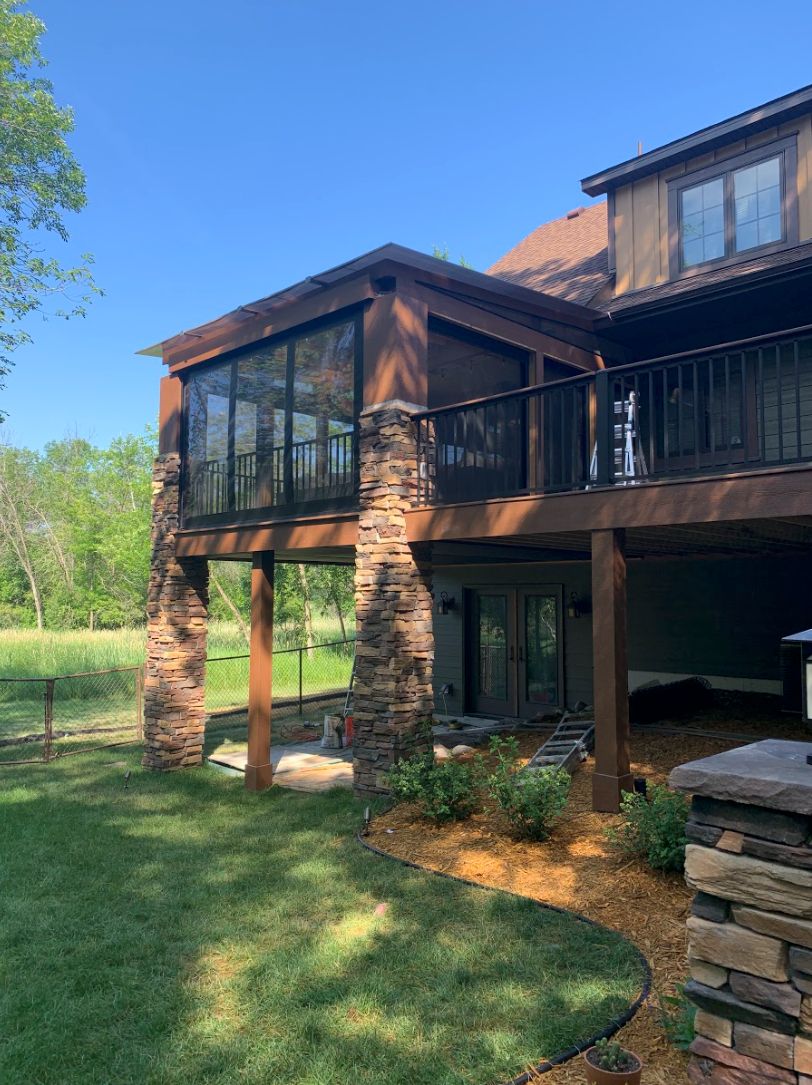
(574,608)
(446,603)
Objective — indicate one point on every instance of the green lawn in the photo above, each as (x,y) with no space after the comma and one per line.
(184,931)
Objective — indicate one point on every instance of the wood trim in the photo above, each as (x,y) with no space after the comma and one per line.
(738,496)
(610,244)
(395,362)
(258,771)
(287,535)
(170,410)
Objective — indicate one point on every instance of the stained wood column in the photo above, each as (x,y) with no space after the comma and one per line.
(258,772)
(610,670)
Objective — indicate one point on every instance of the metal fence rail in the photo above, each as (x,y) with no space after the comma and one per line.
(49,717)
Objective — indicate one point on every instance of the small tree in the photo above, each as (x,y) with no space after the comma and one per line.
(40,180)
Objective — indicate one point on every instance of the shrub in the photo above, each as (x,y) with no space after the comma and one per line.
(677,1017)
(609,1055)
(532,800)
(444,790)
(653,827)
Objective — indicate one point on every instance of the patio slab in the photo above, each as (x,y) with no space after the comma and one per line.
(301,766)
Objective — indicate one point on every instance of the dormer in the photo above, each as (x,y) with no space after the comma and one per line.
(738,191)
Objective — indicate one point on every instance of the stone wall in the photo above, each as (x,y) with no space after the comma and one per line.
(177,609)
(394,649)
(750,928)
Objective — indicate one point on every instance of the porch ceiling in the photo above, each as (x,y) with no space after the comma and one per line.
(739,538)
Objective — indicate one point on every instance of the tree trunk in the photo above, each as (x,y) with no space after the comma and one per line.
(340,616)
(229,602)
(306,609)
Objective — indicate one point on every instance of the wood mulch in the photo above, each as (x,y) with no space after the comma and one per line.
(578,869)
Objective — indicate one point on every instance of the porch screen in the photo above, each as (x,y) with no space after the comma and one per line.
(273,426)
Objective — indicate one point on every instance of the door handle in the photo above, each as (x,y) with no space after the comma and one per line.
(511,653)
(521,655)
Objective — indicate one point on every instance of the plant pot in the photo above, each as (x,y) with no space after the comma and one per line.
(596,1076)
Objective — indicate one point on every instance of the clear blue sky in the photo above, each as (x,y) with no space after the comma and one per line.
(233,148)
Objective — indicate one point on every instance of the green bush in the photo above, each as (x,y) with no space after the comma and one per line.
(444,790)
(609,1055)
(653,827)
(532,800)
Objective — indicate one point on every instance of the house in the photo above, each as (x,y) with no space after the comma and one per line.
(589,467)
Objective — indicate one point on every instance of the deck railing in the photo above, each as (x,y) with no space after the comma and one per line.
(740,406)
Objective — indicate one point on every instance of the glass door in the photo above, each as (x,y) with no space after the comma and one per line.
(538,655)
(492,652)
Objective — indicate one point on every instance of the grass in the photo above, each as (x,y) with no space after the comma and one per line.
(184,931)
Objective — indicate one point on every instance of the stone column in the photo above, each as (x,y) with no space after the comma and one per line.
(394,640)
(177,610)
(749,858)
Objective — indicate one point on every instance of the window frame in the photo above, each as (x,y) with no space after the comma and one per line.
(229,362)
(786,150)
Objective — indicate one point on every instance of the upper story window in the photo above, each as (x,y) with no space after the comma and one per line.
(273,427)
(729,211)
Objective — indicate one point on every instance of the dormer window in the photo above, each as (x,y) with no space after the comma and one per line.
(733,210)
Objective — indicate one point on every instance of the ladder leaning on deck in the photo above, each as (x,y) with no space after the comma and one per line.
(567,747)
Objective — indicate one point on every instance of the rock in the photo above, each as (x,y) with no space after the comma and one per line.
(706,906)
(759,1043)
(729,945)
(803,1055)
(441,753)
(746,880)
(462,751)
(718,1029)
(775,996)
(758,821)
(805,1023)
(800,960)
(711,975)
(730,841)
(725,1004)
(702,834)
(802,982)
(776,853)
(751,1070)
(790,929)
(772,773)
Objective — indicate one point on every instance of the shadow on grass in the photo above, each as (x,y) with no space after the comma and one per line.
(183,931)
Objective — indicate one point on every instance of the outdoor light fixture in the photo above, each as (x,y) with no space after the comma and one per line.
(808,689)
(446,603)
(574,609)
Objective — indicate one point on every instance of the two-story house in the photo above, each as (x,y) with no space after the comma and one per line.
(586,468)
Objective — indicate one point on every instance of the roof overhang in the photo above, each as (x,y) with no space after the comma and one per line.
(386,259)
(745,124)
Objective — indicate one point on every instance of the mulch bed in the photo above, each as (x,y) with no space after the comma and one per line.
(578,869)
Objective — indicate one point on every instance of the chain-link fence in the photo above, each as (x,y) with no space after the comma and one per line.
(44,718)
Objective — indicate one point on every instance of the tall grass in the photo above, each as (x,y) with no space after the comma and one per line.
(29,653)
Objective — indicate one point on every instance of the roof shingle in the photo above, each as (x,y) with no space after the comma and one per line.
(566,257)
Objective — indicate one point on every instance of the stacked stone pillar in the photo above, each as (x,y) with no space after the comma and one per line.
(177,612)
(393,695)
(749,858)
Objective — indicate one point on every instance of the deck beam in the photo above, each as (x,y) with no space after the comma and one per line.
(611,670)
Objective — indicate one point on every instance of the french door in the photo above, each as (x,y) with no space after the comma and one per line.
(513,651)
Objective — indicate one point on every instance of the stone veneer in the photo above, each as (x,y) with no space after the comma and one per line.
(177,611)
(394,647)
(750,932)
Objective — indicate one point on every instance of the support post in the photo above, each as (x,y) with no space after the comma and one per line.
(258,771)
(610,666)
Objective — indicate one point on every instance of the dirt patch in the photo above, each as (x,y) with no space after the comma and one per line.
(577,869)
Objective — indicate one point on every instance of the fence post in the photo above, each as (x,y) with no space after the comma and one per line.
(139,703)
(300,681)
(49,720)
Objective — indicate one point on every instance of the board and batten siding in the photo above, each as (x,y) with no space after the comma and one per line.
(641,208)
(722,618)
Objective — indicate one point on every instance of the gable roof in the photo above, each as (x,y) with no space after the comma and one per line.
(567,257)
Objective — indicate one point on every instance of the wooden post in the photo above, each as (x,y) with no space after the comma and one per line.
(610,670)
(258,771)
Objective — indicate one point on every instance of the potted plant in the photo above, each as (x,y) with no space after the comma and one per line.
(607,1063)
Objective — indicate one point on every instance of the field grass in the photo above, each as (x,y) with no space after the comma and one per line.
(185,932)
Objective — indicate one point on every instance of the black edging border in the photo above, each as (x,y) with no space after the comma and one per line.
(582,1045)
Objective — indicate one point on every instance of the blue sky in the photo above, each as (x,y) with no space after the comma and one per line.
(231,149)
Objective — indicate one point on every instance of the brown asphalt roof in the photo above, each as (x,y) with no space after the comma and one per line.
(566,258)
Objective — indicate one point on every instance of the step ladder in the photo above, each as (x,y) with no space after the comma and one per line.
(566,747)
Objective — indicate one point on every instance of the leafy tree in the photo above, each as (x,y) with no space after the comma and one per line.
(40,180)
(441,253)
